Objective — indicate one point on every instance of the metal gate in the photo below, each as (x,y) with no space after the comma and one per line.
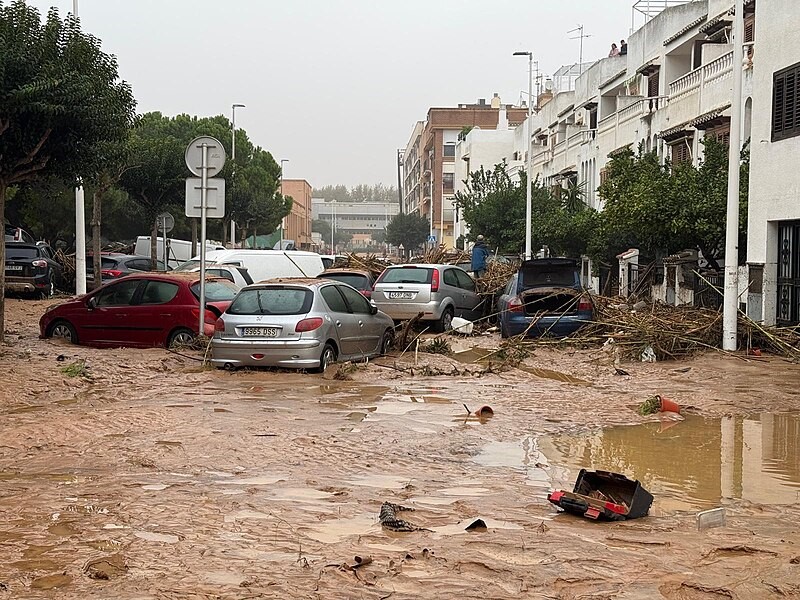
(788,273)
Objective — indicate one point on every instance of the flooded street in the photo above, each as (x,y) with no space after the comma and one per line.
(155,478)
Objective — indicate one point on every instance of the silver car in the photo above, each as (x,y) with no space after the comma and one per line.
(439,292)
(299,324)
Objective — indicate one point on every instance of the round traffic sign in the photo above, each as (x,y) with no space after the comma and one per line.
(166,222)
(214,161)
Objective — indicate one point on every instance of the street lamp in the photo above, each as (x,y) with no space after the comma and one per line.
(80,221)
(283,220)
(233,162)
(529,169)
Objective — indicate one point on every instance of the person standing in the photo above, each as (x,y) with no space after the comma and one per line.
(623,48)
(480,252)
(614,51)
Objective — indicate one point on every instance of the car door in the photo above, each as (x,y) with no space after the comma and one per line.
(471,299)
(345,322)
(105,321)
(155,313)
(370,329)
(452,289)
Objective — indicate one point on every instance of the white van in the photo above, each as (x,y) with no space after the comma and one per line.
(179,251)
(263,264)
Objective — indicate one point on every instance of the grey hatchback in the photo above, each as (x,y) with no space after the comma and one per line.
(299,324)
(439,292)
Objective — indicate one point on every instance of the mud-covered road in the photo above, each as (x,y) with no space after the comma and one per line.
(151,477)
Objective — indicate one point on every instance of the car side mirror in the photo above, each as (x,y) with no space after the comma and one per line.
(91,303)
(373,309)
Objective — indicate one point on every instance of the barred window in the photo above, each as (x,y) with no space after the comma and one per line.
(785,103)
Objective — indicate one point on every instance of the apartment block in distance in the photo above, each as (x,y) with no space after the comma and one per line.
(429,159)
(298,222)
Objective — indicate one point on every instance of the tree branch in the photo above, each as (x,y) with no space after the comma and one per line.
(4,125)
(32,154)
(24,174)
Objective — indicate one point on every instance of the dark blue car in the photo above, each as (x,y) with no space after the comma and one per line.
(545,297)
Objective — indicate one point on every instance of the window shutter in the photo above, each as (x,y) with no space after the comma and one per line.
(652,85)
(749,29)
(779,92)
(786,103)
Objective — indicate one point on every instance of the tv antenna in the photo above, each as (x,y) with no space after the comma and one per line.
(580,36)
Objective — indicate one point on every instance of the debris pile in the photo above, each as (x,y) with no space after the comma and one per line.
(372,263)
(440,255)
(496,277)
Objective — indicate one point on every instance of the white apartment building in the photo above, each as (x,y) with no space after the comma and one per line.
(773,231)
(360,219)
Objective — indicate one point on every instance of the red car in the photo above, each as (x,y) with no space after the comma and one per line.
(139,310)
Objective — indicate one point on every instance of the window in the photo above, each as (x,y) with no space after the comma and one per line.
(118,294)
(272,301)
(159,292)
(358,304)
(450,277)
(406,275)
(225,274)
(750,28)
(465,281)
(139,265)
(652,84)
(216,291)
(681,151)
(448,180)
(785,104)
(334,299)
(449,150)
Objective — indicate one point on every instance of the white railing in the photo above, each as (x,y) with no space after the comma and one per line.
(632,111)
(581,137)
(559,147)
(718,68)
(686,84)
(607,123)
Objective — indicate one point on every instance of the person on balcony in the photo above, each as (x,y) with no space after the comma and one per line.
(623,48)
(614,51)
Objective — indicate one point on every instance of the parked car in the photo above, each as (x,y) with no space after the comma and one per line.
(299,324)
(114,266)
(544,297)
(31,268)
(18,234)
(361,280)
(144,310)
(238,276)
(177,251)
(439,292)
(262,264)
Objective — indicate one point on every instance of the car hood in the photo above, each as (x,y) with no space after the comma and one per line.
(549,273)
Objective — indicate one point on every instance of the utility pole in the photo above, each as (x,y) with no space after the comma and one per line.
(580,36)
(730,305)
(233,165)
(80,222)
(283,220)
(400,154)
(528,153)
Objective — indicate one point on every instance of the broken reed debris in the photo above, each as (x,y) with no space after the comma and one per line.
(372,263)
(673,332)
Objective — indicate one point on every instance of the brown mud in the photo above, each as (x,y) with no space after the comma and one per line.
(156,478)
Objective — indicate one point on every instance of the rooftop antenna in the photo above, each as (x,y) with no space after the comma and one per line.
(580,36)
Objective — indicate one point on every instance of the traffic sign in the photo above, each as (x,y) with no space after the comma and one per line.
(166,222)
(431,239)
(194,155)
(215,197)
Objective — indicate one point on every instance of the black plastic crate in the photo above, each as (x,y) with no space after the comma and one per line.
(604,495)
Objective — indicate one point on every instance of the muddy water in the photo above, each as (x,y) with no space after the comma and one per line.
(693,464)
(484,356)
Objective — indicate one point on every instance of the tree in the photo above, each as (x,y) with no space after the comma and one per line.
(60,97)
(358,193)
(407,229)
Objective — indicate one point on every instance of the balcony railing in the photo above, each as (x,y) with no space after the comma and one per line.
(686,84)
(559,147)
(708,73)
(718,68)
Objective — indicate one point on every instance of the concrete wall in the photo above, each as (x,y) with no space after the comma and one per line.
(774,176)
(298,222)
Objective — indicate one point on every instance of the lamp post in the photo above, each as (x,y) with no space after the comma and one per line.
(233,163)
(529,169)
(283,220)
(80,222)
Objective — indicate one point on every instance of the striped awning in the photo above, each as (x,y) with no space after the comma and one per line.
(686,29)
(697,123)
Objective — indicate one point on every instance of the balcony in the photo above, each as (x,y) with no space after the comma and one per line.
(702,90)
(542,157)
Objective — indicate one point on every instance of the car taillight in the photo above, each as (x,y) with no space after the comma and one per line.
(366,293)
(308,324)
(219,325)
(435,280)
(42,264)
(110,272)
(585,303)
(515,305)
(210,316)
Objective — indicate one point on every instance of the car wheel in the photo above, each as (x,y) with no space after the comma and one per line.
(387,341)
(327,358)
(503,330)
(445,323)
(63,330)
(181,337)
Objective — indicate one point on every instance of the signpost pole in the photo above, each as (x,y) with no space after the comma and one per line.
(203,207)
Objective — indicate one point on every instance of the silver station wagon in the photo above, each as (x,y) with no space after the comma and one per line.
(299,324)
(439,292)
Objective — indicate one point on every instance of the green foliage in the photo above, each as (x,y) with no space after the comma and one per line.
(322,227)
(358,193)
(462,135)
(411,230)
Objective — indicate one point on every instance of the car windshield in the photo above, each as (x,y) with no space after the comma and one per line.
(360,282)
(21,252)
(216,291)
(553,275)
(188,266)
(277,300)
(407,275)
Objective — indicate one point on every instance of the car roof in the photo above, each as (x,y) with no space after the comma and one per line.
(424,265)
(345,271)
(189,278)
(25,244)
(303,281)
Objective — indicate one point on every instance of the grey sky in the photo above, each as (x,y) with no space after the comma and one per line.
(335,86)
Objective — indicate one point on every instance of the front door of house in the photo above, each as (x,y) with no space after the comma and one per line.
(788,309)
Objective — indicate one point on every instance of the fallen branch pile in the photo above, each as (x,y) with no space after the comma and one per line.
(372,263)
(496,277)
(675,332)
(440,255)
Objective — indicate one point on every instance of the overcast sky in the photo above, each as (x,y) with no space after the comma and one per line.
(335,86)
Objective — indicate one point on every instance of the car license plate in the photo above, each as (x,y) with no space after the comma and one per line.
(13,267)
(400,295)
(260,332)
